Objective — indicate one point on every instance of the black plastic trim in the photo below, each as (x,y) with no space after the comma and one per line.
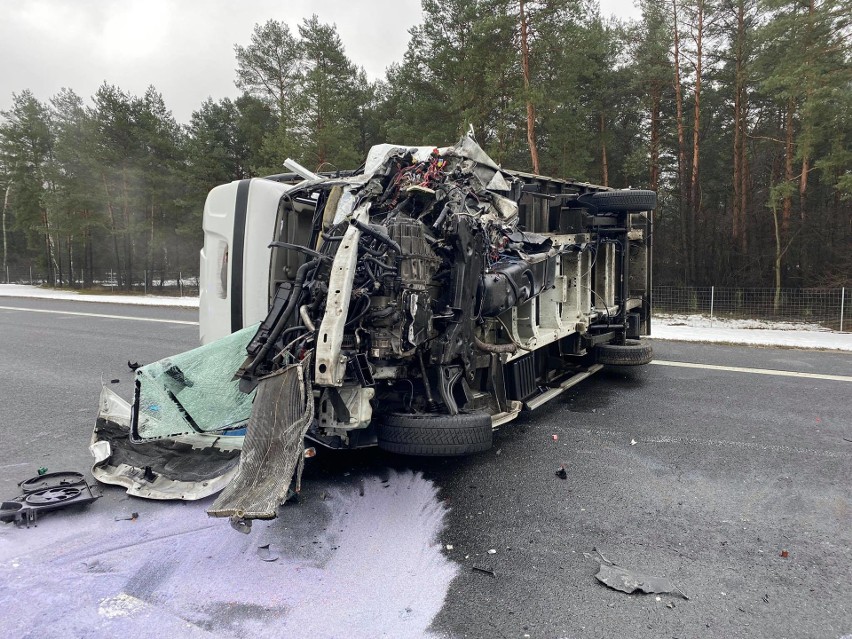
(237,251)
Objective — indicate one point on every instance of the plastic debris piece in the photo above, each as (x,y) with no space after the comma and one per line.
(133,366)
(671,604)
(492,551)
(603,559)
(632,442)
(133,517)
(240,524)
(555,437)
(486,571)
(785,554)
(265,554)
(628,581)
(449,546)
(42,471)
(114,381)
(562,473)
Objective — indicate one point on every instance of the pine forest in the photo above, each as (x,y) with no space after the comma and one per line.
(738,112)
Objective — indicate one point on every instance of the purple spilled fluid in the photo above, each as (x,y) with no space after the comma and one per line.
(371,568)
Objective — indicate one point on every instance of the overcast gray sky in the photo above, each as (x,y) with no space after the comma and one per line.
(185,48)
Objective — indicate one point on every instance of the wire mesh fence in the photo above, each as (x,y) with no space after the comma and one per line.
(827,307)
(153,282)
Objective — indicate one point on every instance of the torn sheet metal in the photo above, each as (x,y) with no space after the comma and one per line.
(629,581)
(188,467)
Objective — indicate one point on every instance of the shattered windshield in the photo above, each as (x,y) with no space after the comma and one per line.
(193,391)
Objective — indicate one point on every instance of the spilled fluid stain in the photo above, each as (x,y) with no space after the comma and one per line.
(372,568)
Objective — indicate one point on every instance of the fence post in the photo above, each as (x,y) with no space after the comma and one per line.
(712,299)
(7,274)
(31,275)
(842,304)
(180,283)
(145,283)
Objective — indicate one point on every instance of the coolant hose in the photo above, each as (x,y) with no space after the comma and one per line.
(494,348)
(373,231)
(295,298)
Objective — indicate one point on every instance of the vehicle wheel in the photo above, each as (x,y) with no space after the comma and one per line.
(624,200)
(632,353)
(434,434)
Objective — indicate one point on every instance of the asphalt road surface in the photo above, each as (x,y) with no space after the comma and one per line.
(706,476)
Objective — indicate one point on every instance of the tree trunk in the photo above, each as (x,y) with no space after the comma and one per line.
(128,237)
(806,119)
(788,167)
(525,64)
(69,244)
(604,163)
(681,154)
(49,251)
(60,279)
(744,180)
(737,219)
(694,195)
(90,257)
(777,265)
(149,255)
(656,99)
(112,224)
(5,239)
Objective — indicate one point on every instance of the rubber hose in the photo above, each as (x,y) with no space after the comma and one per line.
(295,298)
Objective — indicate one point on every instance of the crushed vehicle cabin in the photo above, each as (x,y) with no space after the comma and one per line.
(414,304)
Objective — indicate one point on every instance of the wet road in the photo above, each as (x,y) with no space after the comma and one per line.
(728,469)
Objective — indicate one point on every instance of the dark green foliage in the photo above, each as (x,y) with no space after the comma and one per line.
(116,184)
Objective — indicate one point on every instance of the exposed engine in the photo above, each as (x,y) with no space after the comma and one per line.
(395,278)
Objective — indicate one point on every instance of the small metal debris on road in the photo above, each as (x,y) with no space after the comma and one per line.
(562,473)
(486,571)
(133,517)
(766,598)
(604,559)
(785,554)
(629,581)
(265,554)
(671,604)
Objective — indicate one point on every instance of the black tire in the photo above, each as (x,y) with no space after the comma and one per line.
(433,435)
(624,200)
(632,353)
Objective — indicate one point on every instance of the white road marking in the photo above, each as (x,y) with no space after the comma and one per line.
(619,436)
(754,371)
(122,317)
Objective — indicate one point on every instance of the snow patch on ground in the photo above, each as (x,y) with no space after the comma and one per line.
(175,572)
(24,290)
(699,328)
(684,328)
